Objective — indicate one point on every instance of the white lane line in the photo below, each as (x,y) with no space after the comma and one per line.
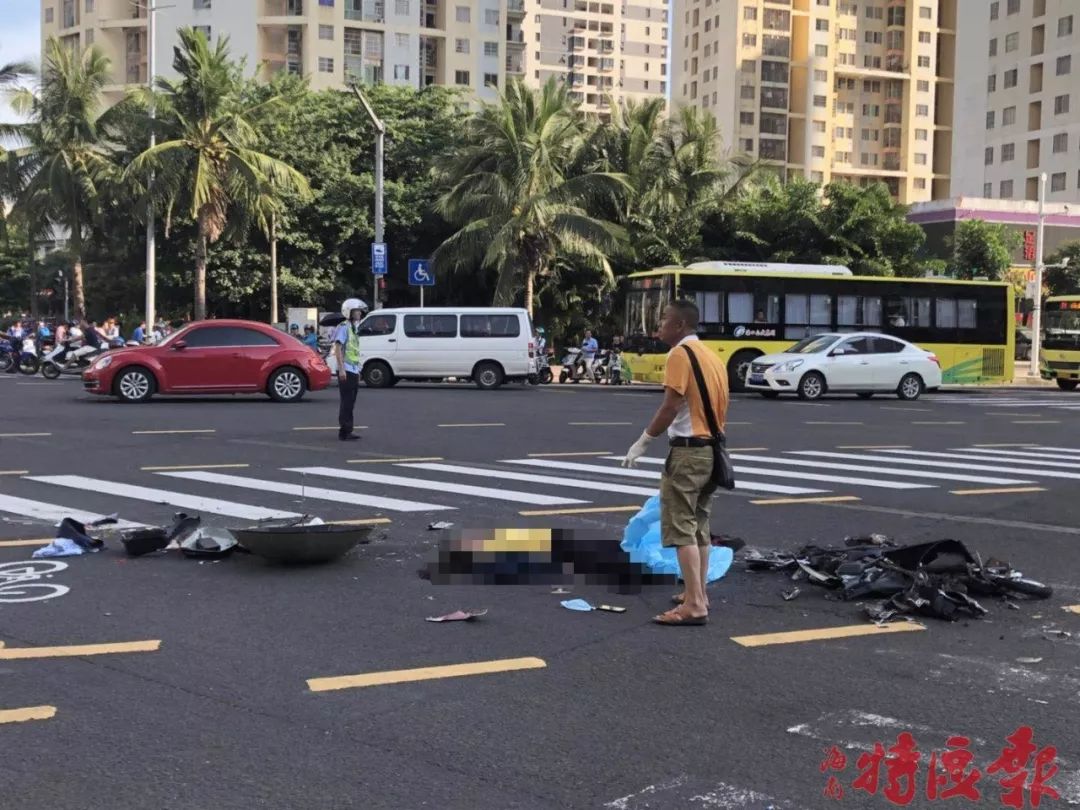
(438,486)
(53,513)
(928,474)
(163,496)
(1072,451)
(952,465)
(305,491)
(551,480)
(808,476)
(655,476)
(1001,458)
(1014,454)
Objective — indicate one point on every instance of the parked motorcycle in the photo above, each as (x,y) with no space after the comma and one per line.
(540,373)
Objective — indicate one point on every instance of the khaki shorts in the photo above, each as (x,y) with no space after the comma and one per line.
(686,491)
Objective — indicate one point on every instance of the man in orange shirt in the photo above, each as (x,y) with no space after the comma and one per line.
(686,489)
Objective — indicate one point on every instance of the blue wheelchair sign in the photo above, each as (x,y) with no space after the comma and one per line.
(379,258)
(420,274)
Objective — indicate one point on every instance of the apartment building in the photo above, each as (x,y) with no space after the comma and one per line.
(1018,100)
(827,89)
(599,48)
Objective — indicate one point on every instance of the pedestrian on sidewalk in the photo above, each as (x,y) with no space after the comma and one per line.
(347,354)
(686,488)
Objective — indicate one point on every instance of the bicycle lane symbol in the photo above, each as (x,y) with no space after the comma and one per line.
(22,581)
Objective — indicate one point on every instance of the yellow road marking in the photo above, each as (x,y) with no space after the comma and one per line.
(196,467)
(1072,608)
(392,460)
(330,427)
(21,435)
(14,472)
(167,432)
(473,424)
(1036,421)
(359,522)
(600,423)
(872,446)
(825,633)
(939,423)
(590,510)
(423,674)
(23,543)
(21,653)
(995,491)
(29,713)
(829,499)
(567,455)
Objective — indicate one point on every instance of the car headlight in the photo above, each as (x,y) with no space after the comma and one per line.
(104,362)
(788,367)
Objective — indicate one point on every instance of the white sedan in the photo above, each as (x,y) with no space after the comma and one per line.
(863,363)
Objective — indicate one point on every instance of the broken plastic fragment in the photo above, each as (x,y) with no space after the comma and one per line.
(611,608)
(577,604)
(458,616)
(789,595)
(1028,660)
(439,524)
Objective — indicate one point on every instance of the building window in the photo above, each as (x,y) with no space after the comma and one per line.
(873,37)
(821,25)
(401,8)
(461,46)
(49,15)
(1010,78)
(818,151)
(993,47)
(328,3)
(461,76)
(1057,181)
(819,126)
(1061,104)
(988,155)
(991,83)
(749,66)
(204,30)
(995,7)
(922,110)
(821,75)
(90,8)
(1064,65)
(89,37)
(990,119)
(746,144)
(463,14)
(923,86)
(1008,152)
(491,16)
(746,119)
(820,101)
(491,49)
(401,40)
(920,158)
(1065,26)
(1061,142)
(821,50)
(1005,189)
(326,64)
(201,4)
(401,71)
(492,80)
(921,134)
(749,13)
(1008,116)
(749,40)
(988,189)
(1013,7)
(924,37)
(1012,42)
(326,32)
(926,13)
(920,183)
(747,92)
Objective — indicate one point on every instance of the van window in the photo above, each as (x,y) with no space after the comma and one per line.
(430,326)
(482,326)
(378,325)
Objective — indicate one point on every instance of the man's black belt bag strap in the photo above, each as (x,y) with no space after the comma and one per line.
(691,441)
(723,473)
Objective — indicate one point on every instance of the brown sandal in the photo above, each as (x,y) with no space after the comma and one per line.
(675,619)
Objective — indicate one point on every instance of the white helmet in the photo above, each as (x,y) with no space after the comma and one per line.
(351,304)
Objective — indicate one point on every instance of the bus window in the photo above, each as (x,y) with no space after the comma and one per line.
(709,307)
(967,313)
(858,313)
(946,313)
(644,307)
(903,311)
(753,308)
(806,315)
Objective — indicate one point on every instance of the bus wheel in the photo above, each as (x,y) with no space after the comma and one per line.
(1067,385)
(738,368)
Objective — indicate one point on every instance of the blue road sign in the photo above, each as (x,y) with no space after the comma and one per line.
(379,258)
(420,274)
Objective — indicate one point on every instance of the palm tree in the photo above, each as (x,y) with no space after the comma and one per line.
(63,164)
(516,198)
(208,169)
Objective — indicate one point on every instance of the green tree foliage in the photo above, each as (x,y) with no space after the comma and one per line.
(1063,280)
(981,249)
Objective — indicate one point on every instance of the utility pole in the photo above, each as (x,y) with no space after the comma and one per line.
(1036,303)
(151,247)
(380,133)
(273,270)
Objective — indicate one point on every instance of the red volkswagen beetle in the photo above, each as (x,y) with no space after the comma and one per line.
(211,357)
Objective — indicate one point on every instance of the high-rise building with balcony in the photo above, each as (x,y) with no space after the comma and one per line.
(600,48)
(1018,96)
(827,89)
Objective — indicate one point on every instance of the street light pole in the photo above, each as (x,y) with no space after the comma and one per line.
(1036,303)
(151,247)
(380,133)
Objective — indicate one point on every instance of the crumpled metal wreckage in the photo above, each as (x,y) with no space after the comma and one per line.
(938,579)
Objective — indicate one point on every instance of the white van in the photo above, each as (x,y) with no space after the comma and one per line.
(488,345)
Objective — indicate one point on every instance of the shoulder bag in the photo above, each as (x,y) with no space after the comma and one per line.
(723,474)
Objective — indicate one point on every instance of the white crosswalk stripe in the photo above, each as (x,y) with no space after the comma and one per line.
(305,491)
(547,480)
(194,503)
(877,469)
(1066,402)
(38,510)
(928,462)
(1021,458)
(1023,454)
(439,486)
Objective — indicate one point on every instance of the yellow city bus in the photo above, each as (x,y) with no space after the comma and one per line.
(1059,359)
(752,309)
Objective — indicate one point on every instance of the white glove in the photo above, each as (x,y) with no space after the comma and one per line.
(637,450)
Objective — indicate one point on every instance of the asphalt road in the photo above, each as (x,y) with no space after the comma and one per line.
(622,714)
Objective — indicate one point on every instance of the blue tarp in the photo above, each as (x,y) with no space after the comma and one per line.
(641,541)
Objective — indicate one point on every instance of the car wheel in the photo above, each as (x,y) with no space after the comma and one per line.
(286,385)
(1067,385)
(738,369)
(910,388)
(488,376)
(769,394)
(812,386)
(50,371)
(377,375)
(865,394)
(133,385)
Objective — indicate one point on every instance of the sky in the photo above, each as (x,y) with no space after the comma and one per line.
(20,38)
